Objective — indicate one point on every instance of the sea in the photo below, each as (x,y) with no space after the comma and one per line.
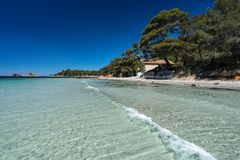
(92,119)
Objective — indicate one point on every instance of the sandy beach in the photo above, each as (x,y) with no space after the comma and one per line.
(212,84)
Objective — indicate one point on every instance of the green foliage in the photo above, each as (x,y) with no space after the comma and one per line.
(204,42)
(217,34)
(127,65)
(71,73)
(210,41)
(157,36)
(173,21)
(226,6)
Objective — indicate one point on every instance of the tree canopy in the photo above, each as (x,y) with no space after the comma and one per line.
(204,42)
(127,65)
(72,73)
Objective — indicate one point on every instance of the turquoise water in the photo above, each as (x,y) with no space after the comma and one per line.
(96,119)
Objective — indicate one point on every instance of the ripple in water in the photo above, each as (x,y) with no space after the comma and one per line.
(71,119)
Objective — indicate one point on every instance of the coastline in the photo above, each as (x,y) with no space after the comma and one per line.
(170,113)
(210,84)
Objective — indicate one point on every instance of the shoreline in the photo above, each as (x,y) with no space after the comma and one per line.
(210,84)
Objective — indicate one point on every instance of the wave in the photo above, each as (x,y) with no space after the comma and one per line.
(90,87)
(93,88)
(84,82)
(182,149)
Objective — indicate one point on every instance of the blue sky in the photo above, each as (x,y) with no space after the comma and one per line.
(46,36)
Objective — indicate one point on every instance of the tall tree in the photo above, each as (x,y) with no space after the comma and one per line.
(165,33)
(126,66)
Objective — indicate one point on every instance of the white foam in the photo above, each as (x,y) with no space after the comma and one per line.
(84,82)
(93,88)
(184,150)
(90,87)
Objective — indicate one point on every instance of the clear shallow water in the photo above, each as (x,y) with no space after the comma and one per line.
(93,119)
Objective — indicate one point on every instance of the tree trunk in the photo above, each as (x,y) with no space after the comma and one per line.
(168,64)
(200,54)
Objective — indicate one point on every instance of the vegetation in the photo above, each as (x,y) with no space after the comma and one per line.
(126,66)
(207,42)
(71,73)
(200,45)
